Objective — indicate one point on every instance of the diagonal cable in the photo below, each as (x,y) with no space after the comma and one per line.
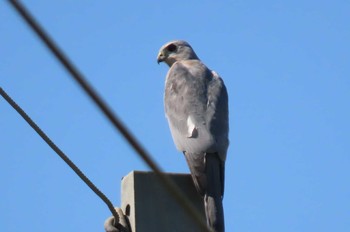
(59,152)
(165,180)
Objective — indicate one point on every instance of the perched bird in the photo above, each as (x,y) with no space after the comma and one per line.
(196,106)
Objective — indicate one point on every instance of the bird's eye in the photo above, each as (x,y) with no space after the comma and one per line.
(171,47)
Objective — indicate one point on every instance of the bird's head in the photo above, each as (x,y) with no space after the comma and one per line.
(176,50)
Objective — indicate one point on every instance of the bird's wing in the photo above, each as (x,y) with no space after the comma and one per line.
(217,114)
(194,95)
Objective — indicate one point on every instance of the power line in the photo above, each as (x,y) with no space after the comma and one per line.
(59,152)
(165,180)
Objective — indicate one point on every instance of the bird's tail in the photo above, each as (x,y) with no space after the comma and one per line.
(213,198)
(207,172)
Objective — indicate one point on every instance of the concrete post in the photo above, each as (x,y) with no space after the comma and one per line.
(149,207)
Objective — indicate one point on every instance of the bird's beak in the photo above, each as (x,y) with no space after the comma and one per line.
(160,57)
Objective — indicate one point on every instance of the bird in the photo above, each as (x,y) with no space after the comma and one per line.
(196,107)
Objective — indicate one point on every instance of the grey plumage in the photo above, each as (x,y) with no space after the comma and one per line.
(196,106)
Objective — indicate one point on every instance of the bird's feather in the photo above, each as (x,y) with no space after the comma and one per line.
(194,92)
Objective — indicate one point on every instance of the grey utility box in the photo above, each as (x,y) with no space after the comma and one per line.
(151,208)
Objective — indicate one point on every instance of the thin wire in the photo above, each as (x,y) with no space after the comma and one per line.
(165,180)
(59,152)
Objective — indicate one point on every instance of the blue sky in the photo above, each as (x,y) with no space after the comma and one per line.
(286,67)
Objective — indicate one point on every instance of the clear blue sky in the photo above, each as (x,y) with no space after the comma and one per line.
(286,65)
